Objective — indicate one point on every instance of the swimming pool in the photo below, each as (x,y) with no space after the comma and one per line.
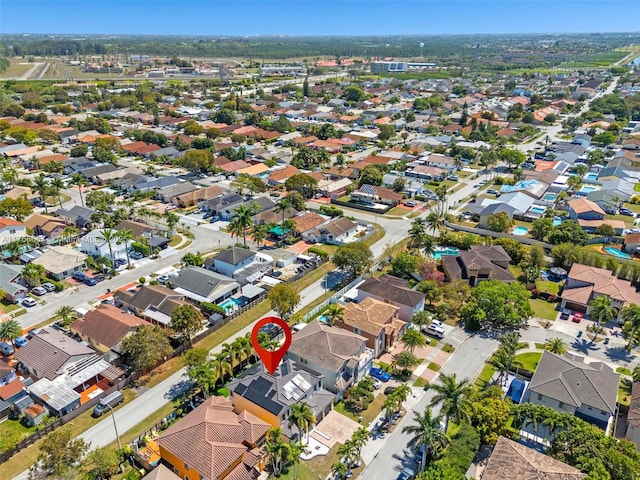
(520,230)
(556,221)
(550,197)
(591,176)
(537,209)
(230,304)
(439,252)
(588,188)
(617,253)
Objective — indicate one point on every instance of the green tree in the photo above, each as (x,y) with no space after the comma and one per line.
(334,313)
(499,222)
(412,339)
(453,395)
(404,264)
(67,314)
(355,258)
(540,228)
(59,455)
(125,236)
(568,231)
(302,417)
(405,361)
(101,200)
(33,274)
(41,187)
(79,180)
(242,222)
(497,304)
(145,347)
(275,449)
(302,183)
(353,94)
(426,433)
(602,312)
(491,415)
(370,175)
(418,232)
(556,345)
(186,320)
(630,314)
(104,462)
(110,237)
(79,150)
(57,185)
(191,258)
(605,230)
(10,330)
(387,132)
(283,298)
(511,157)
(259,233)
(18,208)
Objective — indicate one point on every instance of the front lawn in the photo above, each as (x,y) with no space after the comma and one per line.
(485,376)
(528,361)
(375,407)
(543,309)
(548,286)
(317,467)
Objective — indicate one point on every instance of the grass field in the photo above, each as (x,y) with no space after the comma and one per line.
(485,375)
(367,415)
(543,309)
(528,360)
(18,67)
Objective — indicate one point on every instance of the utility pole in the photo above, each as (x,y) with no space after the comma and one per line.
(115,427)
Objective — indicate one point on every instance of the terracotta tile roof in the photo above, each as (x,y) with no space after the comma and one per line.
(10,389)
(234,166)
(107,325)
(392,288)
(633,417)
(512,460)
(307,221)
(377,160)
(212,438)
(137,228)
(632,238)
(252,170)
(599,281)
(280,176)
(200,194)
(371,316)
(9,222)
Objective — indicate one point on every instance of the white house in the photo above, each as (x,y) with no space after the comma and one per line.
(336,232)
(95,245)
(11,230)
(241,264)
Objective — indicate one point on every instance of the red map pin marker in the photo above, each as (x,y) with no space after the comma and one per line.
(271,359)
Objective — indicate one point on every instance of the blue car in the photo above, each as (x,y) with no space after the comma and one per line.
(90,281)
(20,342)
(380,374)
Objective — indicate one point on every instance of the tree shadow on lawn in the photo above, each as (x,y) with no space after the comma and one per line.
(584,346)
(619,354)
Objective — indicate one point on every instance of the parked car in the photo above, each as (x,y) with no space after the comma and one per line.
(317,195)
(120,262)
(20,342)
(49,287)
(453,178)
(79,276)
(136,255)
(577,317)
(565,314)
(435,331)
(163,279)
(6,348)
(108,402)
(39,291)
(170,207)
(492,191)
(626,212)
(91,281)
(274,194)
(377,384)
(29,302)
(380,374)
(411,203)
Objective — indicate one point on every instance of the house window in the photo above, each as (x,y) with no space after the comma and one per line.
(12,231)
(540,397)
(603,413)
(356,330)
(561,405)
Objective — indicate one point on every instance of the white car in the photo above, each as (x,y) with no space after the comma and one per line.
(437,323)
(435,331)
(376,384)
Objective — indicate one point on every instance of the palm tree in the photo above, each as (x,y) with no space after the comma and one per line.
(10,330)
(243,219)
(339,470)
(502,361)
(66,313)
(412,339)
(283,205)
(125,236)
(346,453)
(601,310)
(556,345)
(509,342)
(428,434)
(171,220)
(636,373)
(434,222)
(402,392)
(41,186)
(232,353)
(57,185)
(302,417)
(69,232)
(334,313)
(360,437)
(294,450)
(204,376)
(418,232)
(276,449)
(221,366)
(243,348)
(259,233)
(109,236)
(80,181)
(405,361)
(288,227)
(454,397)
(631,316)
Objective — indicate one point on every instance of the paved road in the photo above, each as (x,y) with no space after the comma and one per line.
(390,453)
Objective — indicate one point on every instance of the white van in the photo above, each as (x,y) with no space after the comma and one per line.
(435,331)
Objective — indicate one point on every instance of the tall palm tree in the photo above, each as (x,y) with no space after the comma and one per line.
(418,232)
(244,219)
(333,313)
(302,417)
(454,397)
(283,205)
(125,236)
(294,450)
(276,449)
(66,313)
(502,361)
(339,471)
(631,316)
(171,220)
(259,233)
(602,312)
(10,330)
(360,437)
(428,434)
(110,236)
(203,375)
(57,185)
(70,232)
(232,352)
(221,367)
(556,345)
(347,453)
(412,339)
(80,181)
(405,361)
(288,227)
(41,187)
(635,374)
(242,348)
(434,222)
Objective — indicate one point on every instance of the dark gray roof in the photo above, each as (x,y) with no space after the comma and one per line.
(76,212)
(99,170)
(220,202)
(234,255)
(201,281)
(498,208)
(177,189)
(568,379)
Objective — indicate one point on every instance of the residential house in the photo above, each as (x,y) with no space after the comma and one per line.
(193,197)
(215,441)
(307,221)
(337,232)
(340,356)
(166,194)
(12,389)
(11,230)
(147,184)
(241,264)
(394,291)
(154,303)
(270,397)
(139,229)
(76,215)
(377,321)
(441,161)
(217,204)
(493,209)
(45,225)
(632,433)
(511,459)
(105,327)
(202,285)
(631,243)
(478,263)
(333,189)
(371,194)
(61,262)
(22,192)
(95,245)
(584,283)
(608,200)
(569,385)
(10,282)
(161,473)
(259,204)
(583,209)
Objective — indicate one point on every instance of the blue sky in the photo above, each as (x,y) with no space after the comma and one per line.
(317,17)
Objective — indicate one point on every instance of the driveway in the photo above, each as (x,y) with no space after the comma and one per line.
(334,428)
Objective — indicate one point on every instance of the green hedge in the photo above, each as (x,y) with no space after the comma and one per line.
(210,308)
(59,285)
(318,251)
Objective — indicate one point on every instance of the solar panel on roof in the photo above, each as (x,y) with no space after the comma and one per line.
(301,383)
(370,189)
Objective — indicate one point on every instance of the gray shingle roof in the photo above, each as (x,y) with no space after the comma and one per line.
(234,255)
(568,379)
(201,281)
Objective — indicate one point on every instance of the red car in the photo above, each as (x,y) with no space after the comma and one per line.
(577,317)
